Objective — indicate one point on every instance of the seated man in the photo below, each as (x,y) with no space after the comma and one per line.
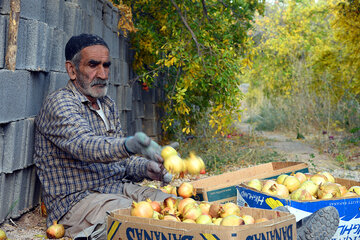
(85,164)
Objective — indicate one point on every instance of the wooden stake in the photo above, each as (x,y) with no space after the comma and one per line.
(10,58)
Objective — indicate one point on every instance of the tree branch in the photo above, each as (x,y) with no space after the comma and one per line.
(205,10)
(187,26)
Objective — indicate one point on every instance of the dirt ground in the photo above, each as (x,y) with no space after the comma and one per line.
(32,224)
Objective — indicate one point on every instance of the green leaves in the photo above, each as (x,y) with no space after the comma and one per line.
(198,48)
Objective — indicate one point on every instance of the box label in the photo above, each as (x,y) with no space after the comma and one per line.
(117,231)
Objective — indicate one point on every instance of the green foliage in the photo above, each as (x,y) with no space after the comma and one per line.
(197,48)
(306,65)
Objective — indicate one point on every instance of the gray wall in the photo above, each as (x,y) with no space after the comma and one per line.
(45,27)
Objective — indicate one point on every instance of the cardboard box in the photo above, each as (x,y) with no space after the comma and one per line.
(348,208)
(120,225)
(222,188)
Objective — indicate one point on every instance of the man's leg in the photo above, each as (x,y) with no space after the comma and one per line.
(87,219)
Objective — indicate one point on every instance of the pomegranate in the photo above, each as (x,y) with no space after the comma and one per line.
(215,209)
(189,221)
(232,220)
(301,176)
(217,221)
(191,211)
(349,194)
(194,164)
(319,179)
(171,217)
(355,189)
(2,235)
(269,187)
(229,208)
(282,191)
(173,164)
(248,219)
(205,207)
(326,188)
(186,190)
(167,152)
(155,205)
(255,183)
(309,186)
(292,183)
(167,189)
(55,231)
(142,209)
(156,215)
(280,179)
(203,219)
(328,175)
(183,203)
(301,194)
(342,188)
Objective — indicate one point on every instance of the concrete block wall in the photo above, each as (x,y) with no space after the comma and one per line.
(44,28)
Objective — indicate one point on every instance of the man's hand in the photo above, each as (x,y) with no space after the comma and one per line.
(141,144)
(156,171)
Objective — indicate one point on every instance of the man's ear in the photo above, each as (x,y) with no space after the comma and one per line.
(70,68)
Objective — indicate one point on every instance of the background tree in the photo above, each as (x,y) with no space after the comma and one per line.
(302,66)
(198,48)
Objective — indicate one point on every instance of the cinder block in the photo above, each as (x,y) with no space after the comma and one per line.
(127,94)
(115,19)
(3,39)
(86,5)
(57,80)
(139,109)
(54,13)
(17,145)
(99,6)
(33,9)
(95,25)
(13,95)
(108,37)
(124,72)
(138,125)
(4,6)
(150,127)
(37,90)
(112,91)
(74,19)
(57,56)
(150,111)
(107,14)
(114,51)
(137,90)
(34,43)
(19,192)
(115,71)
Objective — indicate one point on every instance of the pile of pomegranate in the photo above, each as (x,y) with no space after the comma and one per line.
(189,210)
(300,186)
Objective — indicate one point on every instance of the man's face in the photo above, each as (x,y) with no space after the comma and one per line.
(92,79)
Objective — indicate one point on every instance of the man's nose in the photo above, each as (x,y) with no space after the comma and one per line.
(102,73)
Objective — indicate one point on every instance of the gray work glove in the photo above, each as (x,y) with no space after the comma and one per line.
(156,171)
(141,144)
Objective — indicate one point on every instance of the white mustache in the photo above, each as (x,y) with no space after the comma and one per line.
(99,82)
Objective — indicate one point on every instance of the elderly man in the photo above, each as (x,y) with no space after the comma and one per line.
(85,164)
